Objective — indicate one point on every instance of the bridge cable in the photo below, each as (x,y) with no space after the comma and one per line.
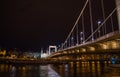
(112,23)
(91,19)
(82,38)
(77,34)
(103,12)
(77,20)
(101,24)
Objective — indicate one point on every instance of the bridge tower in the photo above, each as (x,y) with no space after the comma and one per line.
(118,12)
(52,47)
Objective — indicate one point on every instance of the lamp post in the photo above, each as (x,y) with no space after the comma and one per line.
(99,22)
(81,37)
(72,41)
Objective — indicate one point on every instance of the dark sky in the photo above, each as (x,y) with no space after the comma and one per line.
(37,23)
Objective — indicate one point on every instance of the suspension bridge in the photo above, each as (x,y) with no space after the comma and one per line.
(95,35)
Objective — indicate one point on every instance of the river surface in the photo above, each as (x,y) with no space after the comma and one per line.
(73,69)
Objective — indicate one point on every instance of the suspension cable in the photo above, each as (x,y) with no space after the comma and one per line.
(77,34)
(91,19)
(77,20)
(101,24)
(83,27)
(103,12)
(112,23)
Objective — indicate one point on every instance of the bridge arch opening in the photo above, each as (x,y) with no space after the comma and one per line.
(52,49)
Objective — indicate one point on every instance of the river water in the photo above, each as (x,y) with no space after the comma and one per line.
(73,69)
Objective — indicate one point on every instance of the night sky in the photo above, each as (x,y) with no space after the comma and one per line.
(37,23)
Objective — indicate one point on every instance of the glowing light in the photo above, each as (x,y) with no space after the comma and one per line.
(113,60)
(83,50)
(104,46)
(92,48)
(73,51)
(114,44)
(77,51)
(23,68)
(44,55)
(65,52)
(81,32)
(99,22)
(3,52)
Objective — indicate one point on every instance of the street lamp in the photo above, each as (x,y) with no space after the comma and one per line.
(99,23)
(81,37)
(72,41)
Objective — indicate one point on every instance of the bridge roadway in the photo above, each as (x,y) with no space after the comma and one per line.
(103,48)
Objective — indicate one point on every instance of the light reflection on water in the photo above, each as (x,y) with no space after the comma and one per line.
(27,71)
(73,69)
(84,69)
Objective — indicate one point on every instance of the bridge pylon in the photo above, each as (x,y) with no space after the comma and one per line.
(118,12)
(52,47)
